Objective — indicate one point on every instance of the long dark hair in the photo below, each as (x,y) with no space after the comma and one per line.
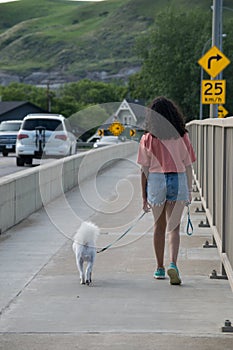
(164,119)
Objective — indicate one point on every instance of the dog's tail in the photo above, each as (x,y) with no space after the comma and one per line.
(87,234)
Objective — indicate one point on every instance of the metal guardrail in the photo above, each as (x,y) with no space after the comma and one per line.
(212,140)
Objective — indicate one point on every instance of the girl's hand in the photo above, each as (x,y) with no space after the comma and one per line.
(189,201)
(146,206)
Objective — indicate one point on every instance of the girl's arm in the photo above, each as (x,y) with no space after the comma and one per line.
(144,175)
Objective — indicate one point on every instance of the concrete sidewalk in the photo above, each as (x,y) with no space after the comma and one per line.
(43,306)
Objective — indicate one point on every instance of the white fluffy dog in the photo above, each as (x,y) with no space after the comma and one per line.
(84,247)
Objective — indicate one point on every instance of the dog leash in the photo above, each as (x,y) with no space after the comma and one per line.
(119,238)
(189,227)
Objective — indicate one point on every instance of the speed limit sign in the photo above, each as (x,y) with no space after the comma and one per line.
(213,91)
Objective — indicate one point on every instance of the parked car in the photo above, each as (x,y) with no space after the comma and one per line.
(106,141)
(8,135)
(93,139)
(44,135)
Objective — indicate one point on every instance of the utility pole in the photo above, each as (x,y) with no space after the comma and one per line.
(48,98)
(216,41)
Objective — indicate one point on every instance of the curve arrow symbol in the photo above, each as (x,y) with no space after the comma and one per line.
(217,58)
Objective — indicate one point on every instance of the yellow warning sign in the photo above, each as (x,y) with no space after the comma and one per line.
(116,128)
(214,61)
(222,112)
(132,132)
(101,132)
(213,91)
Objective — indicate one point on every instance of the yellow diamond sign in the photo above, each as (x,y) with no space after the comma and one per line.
(214,61)
(116,128)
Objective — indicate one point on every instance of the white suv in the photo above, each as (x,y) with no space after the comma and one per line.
(44,135)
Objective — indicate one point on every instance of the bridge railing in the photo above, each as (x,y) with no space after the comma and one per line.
(213,172)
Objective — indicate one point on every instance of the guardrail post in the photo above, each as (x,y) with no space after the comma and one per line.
(223,271)
(223,274)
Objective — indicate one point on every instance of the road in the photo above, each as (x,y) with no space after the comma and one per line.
(8,164)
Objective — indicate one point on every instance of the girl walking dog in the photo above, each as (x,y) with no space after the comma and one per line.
(166,156)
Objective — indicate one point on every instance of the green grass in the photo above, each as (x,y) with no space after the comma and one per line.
(77,36)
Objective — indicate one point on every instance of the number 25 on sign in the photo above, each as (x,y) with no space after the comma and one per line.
(213,91)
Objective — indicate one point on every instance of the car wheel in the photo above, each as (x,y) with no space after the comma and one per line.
(4,153)
(28,161)
(20,161)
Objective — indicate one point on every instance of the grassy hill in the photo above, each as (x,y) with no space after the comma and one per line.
(77,37)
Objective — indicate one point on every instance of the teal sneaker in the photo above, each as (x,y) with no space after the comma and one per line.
(173,274)
(159,274)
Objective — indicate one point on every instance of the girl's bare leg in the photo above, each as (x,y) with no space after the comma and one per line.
(173,214)
(159,233)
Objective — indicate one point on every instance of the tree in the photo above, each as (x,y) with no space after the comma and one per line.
(87,92)
(170,53)
(25,92)
(68,99)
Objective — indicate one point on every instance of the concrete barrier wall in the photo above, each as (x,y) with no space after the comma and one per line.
(23,193)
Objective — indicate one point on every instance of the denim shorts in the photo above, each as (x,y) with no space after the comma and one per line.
(163,187)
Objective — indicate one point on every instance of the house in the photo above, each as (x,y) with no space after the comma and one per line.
(17,110)
(129,113)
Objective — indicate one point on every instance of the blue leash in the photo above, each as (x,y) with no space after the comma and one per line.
(130,228)
(189,227)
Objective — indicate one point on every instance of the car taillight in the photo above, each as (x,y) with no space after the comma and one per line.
(61,137)
(22,136)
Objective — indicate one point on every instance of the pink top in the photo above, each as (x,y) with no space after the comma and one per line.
(165,156)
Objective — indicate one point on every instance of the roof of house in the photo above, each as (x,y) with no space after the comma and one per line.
(7,106)
(134,106)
